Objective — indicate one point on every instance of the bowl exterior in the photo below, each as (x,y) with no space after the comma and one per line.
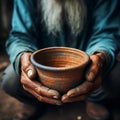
(60,78)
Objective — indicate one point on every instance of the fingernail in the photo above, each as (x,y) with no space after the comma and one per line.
(70,94)
(65,100)
(29,73)
(55,97)
(52,92)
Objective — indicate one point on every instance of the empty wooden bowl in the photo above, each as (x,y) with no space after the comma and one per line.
(60,68)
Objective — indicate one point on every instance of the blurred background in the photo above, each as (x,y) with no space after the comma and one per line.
(6,7)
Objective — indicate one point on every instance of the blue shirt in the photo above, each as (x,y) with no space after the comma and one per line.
(98,35)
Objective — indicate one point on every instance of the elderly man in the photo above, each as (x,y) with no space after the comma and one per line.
(87,25)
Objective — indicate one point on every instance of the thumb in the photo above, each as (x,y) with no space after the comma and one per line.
(31,72)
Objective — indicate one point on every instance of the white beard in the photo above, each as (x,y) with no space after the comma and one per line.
(56,12)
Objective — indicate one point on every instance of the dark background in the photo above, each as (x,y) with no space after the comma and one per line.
(6,7)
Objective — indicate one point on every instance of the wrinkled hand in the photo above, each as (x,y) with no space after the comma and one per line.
(92,82)
(28,75)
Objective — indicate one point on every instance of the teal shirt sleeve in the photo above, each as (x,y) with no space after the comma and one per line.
(23,34)
(105,26)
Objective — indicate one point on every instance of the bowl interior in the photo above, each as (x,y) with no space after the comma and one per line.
(59,57)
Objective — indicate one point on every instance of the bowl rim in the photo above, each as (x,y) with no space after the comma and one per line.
(49,68)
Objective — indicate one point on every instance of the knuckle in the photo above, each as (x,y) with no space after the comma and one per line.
(39,98)
(91,75)
(24,66)
(78,89)
(38,90)
(23,81)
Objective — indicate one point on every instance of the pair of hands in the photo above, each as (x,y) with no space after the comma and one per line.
(43,94)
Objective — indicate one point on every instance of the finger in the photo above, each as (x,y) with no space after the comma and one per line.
(84,88)
(47,92)
(25,60)
(95,68)
(26,65)
(66,99)
(39,88)
(43,98)
(31,72)
(97,82)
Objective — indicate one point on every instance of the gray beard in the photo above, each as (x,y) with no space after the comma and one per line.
(56,12)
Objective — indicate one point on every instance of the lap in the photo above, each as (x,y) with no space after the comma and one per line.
(11,84)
